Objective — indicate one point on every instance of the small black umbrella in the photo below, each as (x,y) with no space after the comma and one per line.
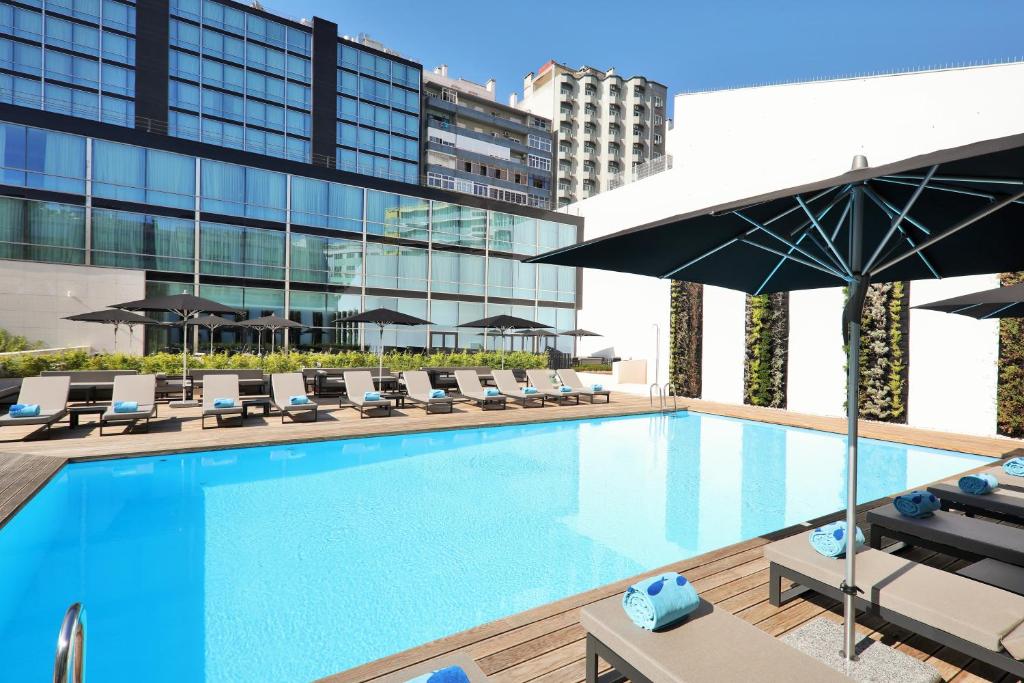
(272,323)
(951,212)
(383,317)
(185,306)
(580,333)
(1001,302)
(116,318)
(211,323)
(504,323)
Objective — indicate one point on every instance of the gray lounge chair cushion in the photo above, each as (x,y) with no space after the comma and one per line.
(283,386)
(50,393)
(358,383)
(981,614)
(221,386)
(710,645)
(1002,500)
(142,413)
(40,419)
(1009,577)
(973,535)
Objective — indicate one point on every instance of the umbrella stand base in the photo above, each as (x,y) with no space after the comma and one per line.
(183,404)
(823,639)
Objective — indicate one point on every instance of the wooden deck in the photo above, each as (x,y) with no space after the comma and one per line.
(545,643)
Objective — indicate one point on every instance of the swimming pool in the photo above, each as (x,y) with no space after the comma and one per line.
(286,563)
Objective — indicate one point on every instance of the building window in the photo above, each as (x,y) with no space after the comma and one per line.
(588,186)
(614,128)
(564,148)
(564,167)
(613,147)
(615,110)
(538,142)
(590,109)
(589,167)
(657,138)
(538,122)
(565,110)
(565,129)
(638,129)
(613,167)
(638,91)
(638,110)
(566,89)
(658,119)
(658,102)
(563,185)
(589,128)
(614,91)
(589,148)
(542,163)
(590,89)
(450,95)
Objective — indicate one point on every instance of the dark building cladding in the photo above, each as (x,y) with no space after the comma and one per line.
(106,169)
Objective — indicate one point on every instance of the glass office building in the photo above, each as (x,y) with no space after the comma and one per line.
(279,237)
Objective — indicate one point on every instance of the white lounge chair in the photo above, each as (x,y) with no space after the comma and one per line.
(221,386)
(469,385)
(140,389)
(419,390)
(358,383)
(283,386)
(50,394)
(569,378)
(544,381)
(509,387)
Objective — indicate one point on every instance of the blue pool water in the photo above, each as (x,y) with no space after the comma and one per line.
(286,563)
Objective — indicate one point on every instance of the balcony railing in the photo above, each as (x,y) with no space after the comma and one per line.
(641,171)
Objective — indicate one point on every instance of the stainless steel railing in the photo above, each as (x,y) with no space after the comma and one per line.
(69,664)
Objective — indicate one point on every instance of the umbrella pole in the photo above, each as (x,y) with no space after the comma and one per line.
(211,339)
(184,354)
(849,585)
(380,357)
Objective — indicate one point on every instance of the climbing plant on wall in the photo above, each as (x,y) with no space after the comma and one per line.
(685,342)
(1010,383)
(884,352)
(767,348)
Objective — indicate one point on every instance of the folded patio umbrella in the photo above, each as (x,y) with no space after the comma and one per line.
(504,323)
(384,317)
(952,212)
(112,316)
(1001,302)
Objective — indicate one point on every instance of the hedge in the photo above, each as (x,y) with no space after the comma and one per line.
(28,366)
(767,349)
(1010,383)
(883,352)
(685,338)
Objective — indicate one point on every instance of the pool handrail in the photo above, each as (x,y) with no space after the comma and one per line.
(69,663)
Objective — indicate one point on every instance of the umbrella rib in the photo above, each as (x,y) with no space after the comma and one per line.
(999,310)
(828,242)
(891,213)
(965,223)
(898,218)
(784,255)
(962,179)
(948,188)
(703,256)
(793,247)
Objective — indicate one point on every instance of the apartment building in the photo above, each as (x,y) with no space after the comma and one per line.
(477,145)
(605,124)
(264,162)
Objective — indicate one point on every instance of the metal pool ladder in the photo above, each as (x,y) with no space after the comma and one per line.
(69,664)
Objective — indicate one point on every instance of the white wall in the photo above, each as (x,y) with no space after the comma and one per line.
(738,143)
(723,350)
(952,361)
(35,297)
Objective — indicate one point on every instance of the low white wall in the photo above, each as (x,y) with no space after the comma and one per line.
(723,345)
(817,377)
(953,369)
(35,297)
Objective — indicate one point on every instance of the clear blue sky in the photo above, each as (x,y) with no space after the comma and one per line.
(686,44)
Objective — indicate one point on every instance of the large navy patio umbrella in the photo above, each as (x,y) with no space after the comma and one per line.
(185,306)
(953,212)
(1001,302)
(114,317)
(383,317)
(504,324)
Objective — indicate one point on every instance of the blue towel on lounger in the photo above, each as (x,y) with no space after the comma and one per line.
(1014,467)
(597,387)
(298,400)
(565,390)
(978,484)
(449,674)
(491,391)
(371,396)
(529,390)
(24,410)
(660,601)
(916,504)
(830,540)
(223,403)
(437,393)
(126,406)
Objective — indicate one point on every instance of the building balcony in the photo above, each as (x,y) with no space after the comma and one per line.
(615,133)
(615,152)
(565,192)
(639,135)
(591,99)
(565,117)
(592,136)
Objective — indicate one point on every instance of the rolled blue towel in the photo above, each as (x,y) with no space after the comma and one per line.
(597,387)
(371,396)
(126,406)
(24,410)
(1014,467)
(529,390)
(660,601)
(830,540)
(916,504)
(298,400)
(491,391)
(565,390)
(223,403)
(449,674)
(437,393)
(978,484)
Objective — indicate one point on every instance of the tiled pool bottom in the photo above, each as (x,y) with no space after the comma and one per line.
(293,562)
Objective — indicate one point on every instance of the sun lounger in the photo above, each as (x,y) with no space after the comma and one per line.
(543,381)
(709,645)
(418,389)
(283,386)
(1009,577)
(9,388)
(980,621)
(949,533)
(358,383)
(469,385)
(1006,503)
(569,378)
(50,394)
(221,386)
(138,389)
(509,387)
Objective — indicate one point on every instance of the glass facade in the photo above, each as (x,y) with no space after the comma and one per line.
(74,57)
(240,80)
(308,248)
(378,128)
